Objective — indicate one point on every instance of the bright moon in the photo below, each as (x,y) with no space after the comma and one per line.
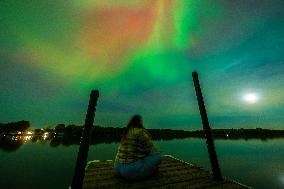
(250,98)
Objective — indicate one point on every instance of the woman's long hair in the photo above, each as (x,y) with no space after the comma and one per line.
(135,122)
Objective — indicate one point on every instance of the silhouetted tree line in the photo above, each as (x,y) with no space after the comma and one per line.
(71,134)
(14,126)
(242,133)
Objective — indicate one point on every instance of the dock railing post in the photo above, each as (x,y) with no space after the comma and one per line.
(209,140)
(81,162)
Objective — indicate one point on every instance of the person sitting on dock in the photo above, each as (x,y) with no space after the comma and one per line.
(137,158)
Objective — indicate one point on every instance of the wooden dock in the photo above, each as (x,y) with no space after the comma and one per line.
(173,173)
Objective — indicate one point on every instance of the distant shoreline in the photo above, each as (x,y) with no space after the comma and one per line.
(14,135)
(157,134)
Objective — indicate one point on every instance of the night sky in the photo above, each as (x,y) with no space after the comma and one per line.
(140,55)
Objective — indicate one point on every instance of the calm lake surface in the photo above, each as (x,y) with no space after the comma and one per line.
(256,163)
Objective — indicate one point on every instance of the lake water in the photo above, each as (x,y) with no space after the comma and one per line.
(256,163)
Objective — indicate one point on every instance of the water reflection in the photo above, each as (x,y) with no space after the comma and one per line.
(14,142)
(11,143)
(282,179)
(252,162)
(45,135)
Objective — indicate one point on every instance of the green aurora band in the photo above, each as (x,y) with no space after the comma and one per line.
(140,55)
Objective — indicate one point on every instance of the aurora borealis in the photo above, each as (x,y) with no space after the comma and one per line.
(140,55)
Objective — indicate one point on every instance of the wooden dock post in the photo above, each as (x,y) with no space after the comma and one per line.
(81,162)
(209,140)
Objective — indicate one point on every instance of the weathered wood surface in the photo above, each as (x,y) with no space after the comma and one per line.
(173,173)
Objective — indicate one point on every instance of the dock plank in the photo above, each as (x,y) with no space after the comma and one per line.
(173,173)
